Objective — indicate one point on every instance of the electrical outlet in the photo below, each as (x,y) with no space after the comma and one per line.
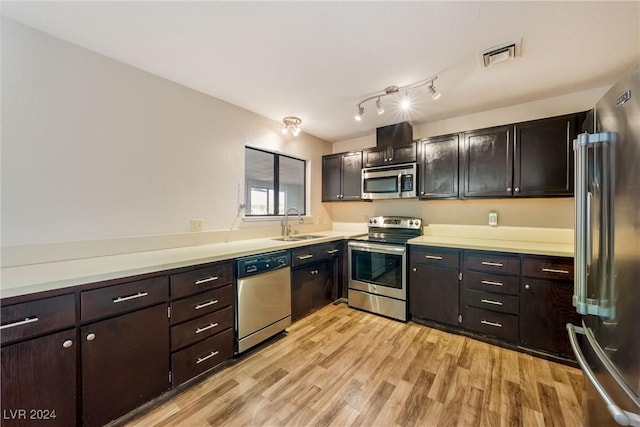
(197,224)
(493,219)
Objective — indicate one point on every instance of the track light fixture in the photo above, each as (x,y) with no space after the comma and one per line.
(291,124)
(405,103)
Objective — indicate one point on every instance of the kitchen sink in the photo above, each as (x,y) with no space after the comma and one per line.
(296,238)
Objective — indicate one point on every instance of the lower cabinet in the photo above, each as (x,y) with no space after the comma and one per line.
(434,284)
(123,364)
(311,288)
(39,381)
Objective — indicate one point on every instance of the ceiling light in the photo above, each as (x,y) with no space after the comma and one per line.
(433,91)
(405,102)
(379,107)
(291,124)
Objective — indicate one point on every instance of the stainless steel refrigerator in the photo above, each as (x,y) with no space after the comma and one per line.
(607,257)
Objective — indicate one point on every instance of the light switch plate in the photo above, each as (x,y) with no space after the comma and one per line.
(197,224)
(493,219)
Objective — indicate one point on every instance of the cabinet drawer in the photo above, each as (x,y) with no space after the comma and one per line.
(490,301)
(194,360)
(435,256)
(329,250)
(492,262)
(306,255)
(116,299)
(491,323)
(202,279)
(491,282)
(200,328)
(201,304)
(548,268)
(33,318)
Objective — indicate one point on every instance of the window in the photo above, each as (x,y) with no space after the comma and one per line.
(273,183)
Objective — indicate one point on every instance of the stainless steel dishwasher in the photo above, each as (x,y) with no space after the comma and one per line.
(264,297)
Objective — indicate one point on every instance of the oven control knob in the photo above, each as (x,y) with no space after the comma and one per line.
(375,221)
(410,222)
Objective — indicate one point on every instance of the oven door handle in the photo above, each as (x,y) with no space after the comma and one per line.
(373,247)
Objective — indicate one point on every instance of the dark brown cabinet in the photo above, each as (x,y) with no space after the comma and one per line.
(546,294)
(390,155)
(434,284)
(438,164)
(487,162)
(39,359)
(543,156)
(341,177)
(315,277)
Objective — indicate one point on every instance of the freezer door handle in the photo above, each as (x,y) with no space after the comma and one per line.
(620,416)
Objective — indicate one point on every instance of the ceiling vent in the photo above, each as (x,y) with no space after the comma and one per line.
(502,53)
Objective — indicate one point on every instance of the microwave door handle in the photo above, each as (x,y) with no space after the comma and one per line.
(400,183)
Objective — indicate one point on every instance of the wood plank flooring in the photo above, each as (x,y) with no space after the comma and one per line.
(344,367)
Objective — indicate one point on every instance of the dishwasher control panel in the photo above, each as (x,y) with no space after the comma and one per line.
(256,264)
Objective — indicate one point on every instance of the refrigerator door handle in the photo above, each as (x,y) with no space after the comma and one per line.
(620,416)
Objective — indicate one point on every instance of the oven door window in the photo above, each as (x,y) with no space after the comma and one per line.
(377,268)
(383,184)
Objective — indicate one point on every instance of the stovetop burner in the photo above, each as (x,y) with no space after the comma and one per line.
(393,229)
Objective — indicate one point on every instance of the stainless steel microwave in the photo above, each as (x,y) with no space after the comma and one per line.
(390,182)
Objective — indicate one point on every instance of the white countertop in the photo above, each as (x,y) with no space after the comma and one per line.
(27,279)
(523,247)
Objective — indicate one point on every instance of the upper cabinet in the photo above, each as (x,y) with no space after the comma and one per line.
(390,155)
(531,159)
(341,177)
(439,167)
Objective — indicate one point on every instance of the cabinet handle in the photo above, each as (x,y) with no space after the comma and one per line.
(208,356)
(208,279)
(553,270)
(414,269)
(301,257)
(206,304)
(492,283)
(130,297)
(206,328)
(333,251)
(517,189)
(493,264)
(527,286)
(495,324)
(26,321)
(67,343)
(91,337)
(508,189)
(433,257)
(490,301)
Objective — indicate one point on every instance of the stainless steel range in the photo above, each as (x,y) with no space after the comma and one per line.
(378,265)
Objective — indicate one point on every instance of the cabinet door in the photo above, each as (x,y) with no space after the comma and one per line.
(543,157)
(545,309)
(301,292)
(322,284)
(352,176)
(487,162)
(39,381)
(434,293)
(331,177)
(403,153)
(439,167)
(375,157)
(125,363)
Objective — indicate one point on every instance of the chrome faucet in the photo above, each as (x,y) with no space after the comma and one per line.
(286,228)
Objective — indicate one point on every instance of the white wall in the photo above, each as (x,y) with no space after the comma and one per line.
(552,212)
(95,149)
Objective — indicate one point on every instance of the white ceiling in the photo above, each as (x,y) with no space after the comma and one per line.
(317,60)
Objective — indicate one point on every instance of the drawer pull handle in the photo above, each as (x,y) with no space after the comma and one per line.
(26,321)
(208,356)
(492,283)
(130,297)
(206,328)
(433,257)
(553,270)
(490,301)
(333,251)
(301,257)
(206,304)
(207,280)
(496,324)
(493,264)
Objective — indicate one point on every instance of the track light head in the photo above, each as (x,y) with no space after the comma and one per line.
(379,107)
(434,92)
(360,112)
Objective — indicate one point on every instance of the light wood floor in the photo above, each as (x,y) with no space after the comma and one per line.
(344,367)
